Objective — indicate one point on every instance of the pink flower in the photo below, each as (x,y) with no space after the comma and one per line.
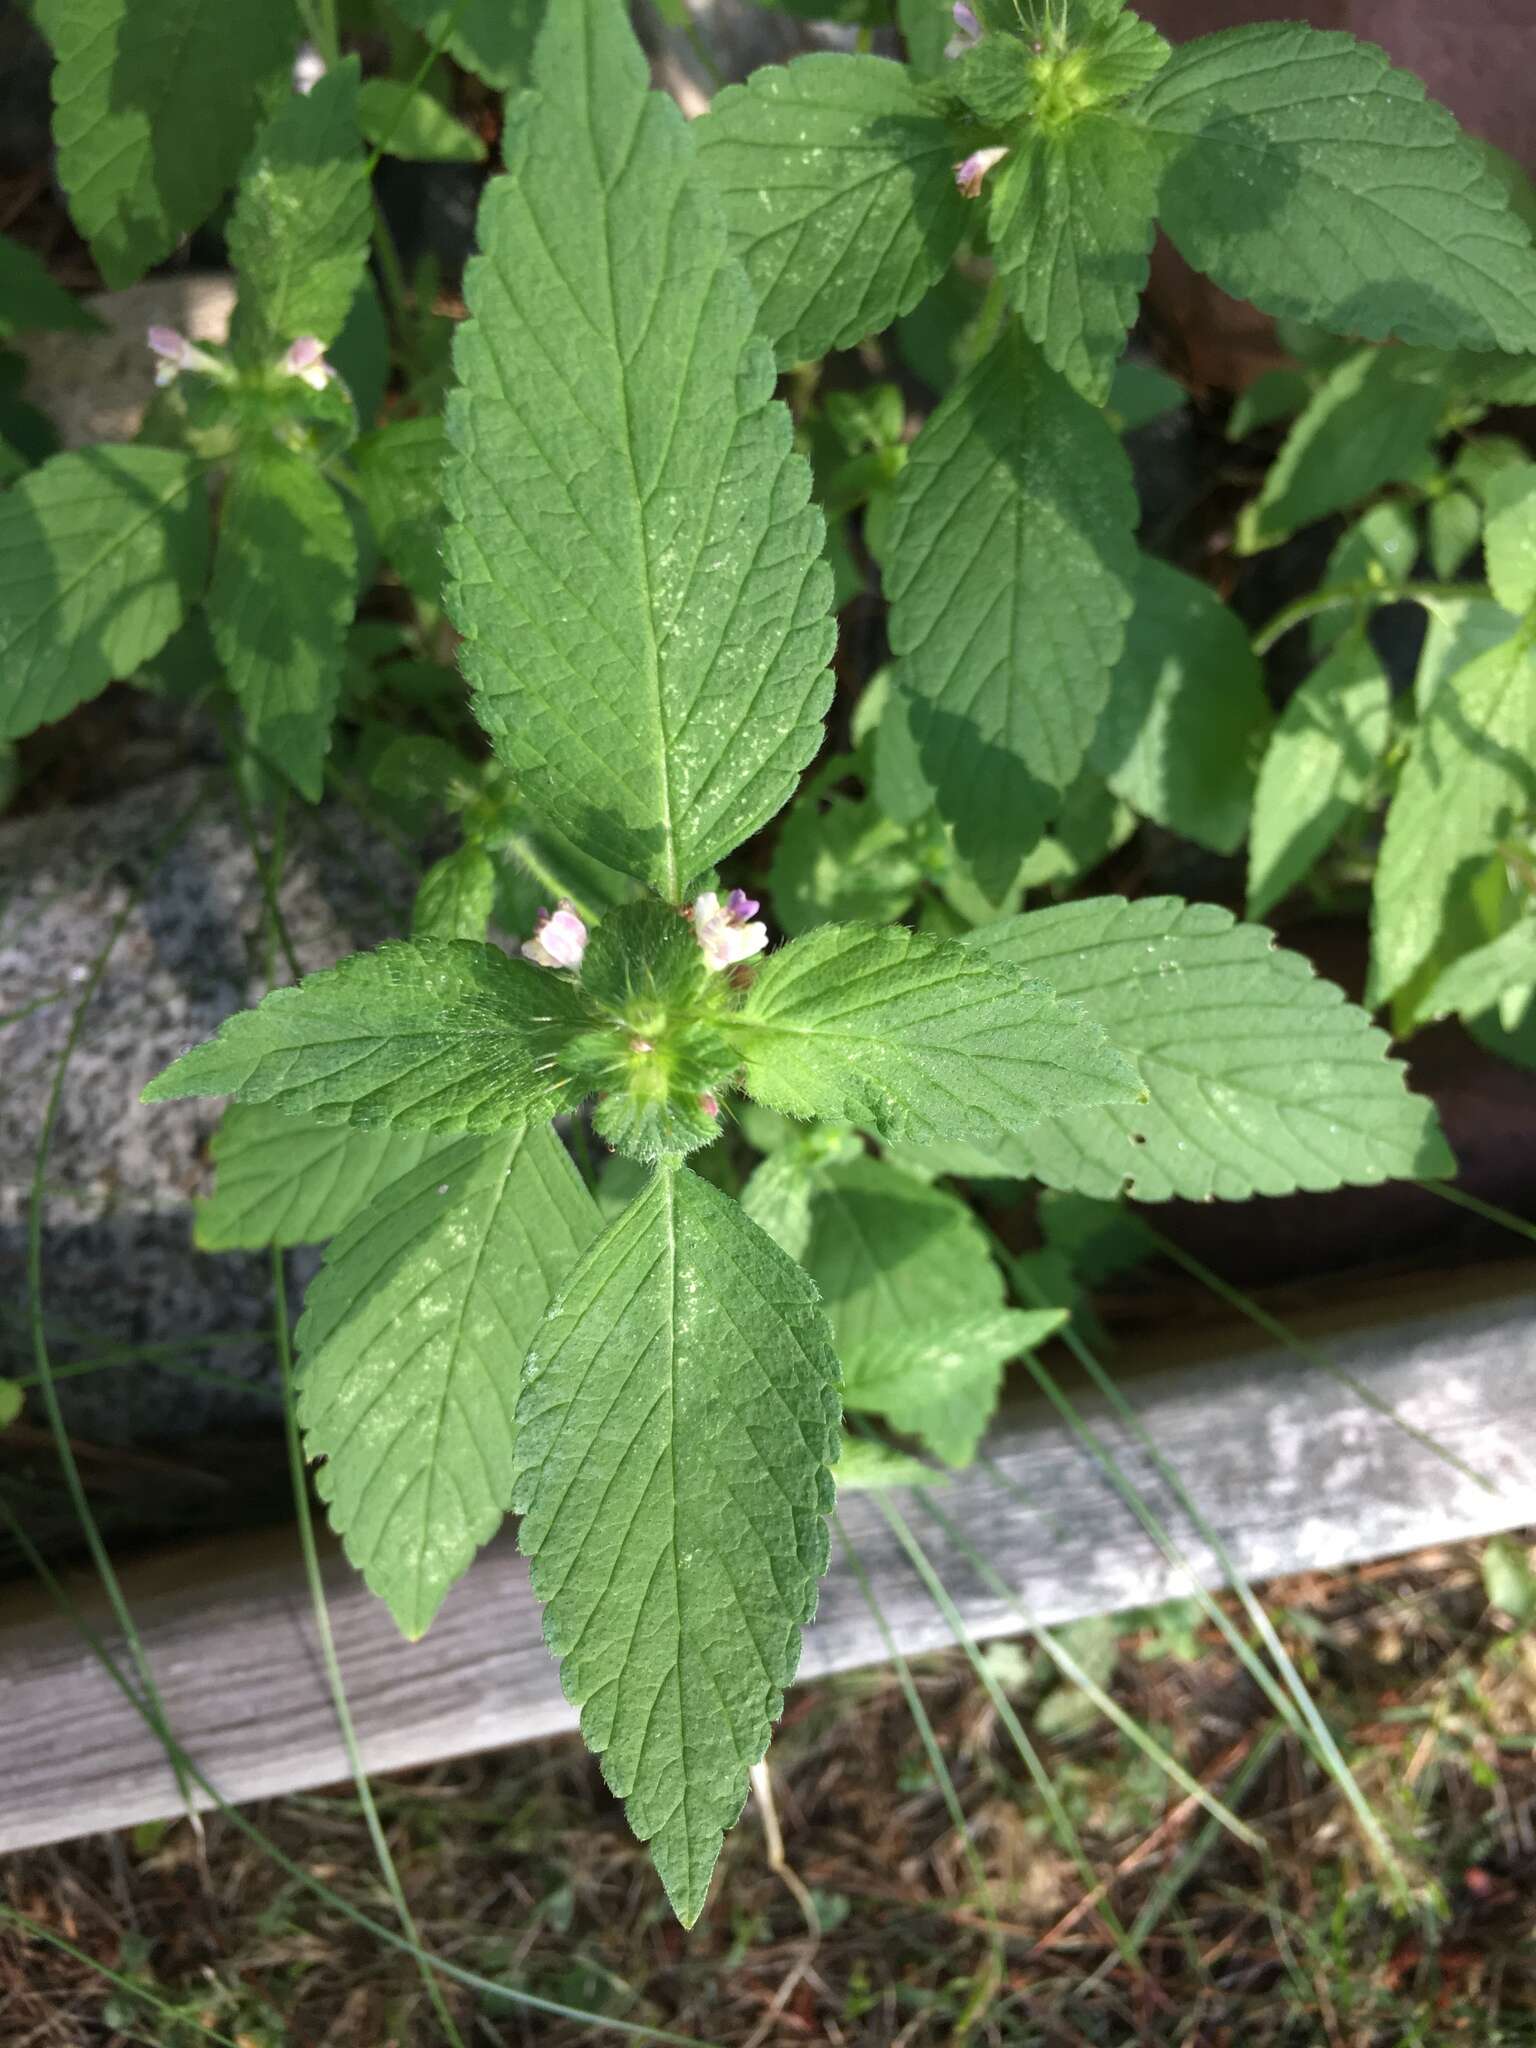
(966,22)
(969,175)
(305,359)
(724,931)
(709,1104)
(176,354)
(559,940)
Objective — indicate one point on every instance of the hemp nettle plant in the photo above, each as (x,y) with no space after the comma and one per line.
(645,546)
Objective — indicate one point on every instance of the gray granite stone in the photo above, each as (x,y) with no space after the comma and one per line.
(119,1265)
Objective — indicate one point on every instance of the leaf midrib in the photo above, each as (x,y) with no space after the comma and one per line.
(639,499)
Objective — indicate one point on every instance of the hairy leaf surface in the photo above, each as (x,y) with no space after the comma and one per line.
(279,604)
(427,1035)
(1010,567)
(634,562)
(286,1180)
(916,1302)
(411,1346)
(101,553)
(1261,1078)
(678,1417)
(1072,212)
(916,1038)
(1311,177)
(1470,778)
(837,178)
(300,229)
(155,102)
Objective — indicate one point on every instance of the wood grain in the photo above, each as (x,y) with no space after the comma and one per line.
(1291,1470)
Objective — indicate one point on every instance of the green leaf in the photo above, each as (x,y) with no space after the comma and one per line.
(155,103)
(410,124)
(433,1035)
(1273,395)
(419,768)
(1460,629)
(456,896)
(927,29)
(400,474)
(1379,550)
(1481,978)
(1091,824)
(286,1180)
(493,38)
(360,354)
(303,216)
(101,553)
(837,178)
(915,1038)
(1509,1578)
(1309,176)
(1455,527)
(844,861)
(1011,570)
(1372,422)
(1326,753)
(868,1466)
(634,563)
(30,300)
(1139,393)
(1187,713)
(284,577)
(1261,1078)
(410,1347)
(1509,538)
(916,1303)
(1470,779)
(678,1416)
(1071,212)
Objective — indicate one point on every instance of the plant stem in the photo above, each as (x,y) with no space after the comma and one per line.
(1361,593)
(1490,1211)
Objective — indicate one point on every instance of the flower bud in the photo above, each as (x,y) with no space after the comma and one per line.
(970,173)
(305,359)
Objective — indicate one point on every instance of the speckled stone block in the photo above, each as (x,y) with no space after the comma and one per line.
(119,1265)
(97,387)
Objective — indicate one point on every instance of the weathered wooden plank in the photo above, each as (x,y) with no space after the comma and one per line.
(1290,1469)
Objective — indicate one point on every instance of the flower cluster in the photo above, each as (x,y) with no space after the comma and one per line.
(303,358)
(725,931)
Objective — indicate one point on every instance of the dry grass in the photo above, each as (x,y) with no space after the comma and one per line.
(519,1866)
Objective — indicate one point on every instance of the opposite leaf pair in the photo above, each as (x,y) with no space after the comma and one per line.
(910,1036)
